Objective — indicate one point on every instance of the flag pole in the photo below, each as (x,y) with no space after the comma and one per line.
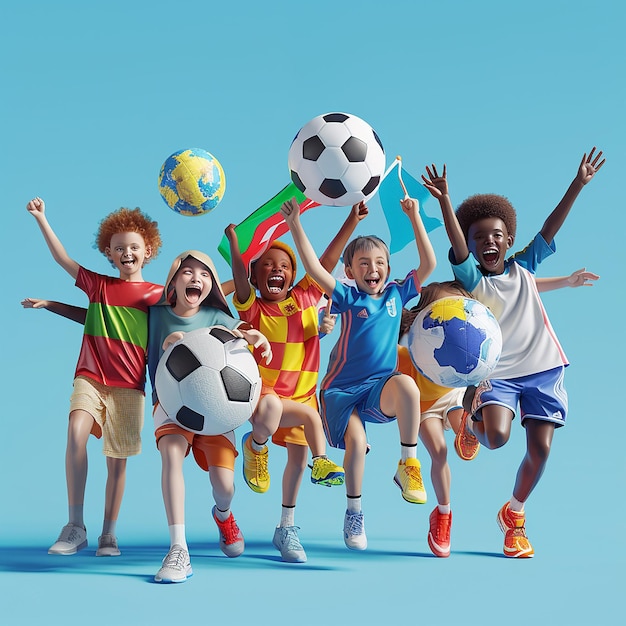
(406,193)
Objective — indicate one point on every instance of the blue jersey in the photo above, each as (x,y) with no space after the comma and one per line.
(367,348)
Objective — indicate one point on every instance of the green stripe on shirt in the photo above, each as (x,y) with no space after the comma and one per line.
(117,322)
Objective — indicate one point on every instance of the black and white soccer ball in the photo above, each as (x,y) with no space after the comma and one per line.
(337,160)
(208,382)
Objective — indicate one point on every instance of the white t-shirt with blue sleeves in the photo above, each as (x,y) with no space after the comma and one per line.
(529,343)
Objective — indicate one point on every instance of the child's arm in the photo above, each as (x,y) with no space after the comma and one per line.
(579,278)
(438,187)
(428,261)
(240,273)
(74,313)
(312,265)
(330,257)
(586,171)
(36,207)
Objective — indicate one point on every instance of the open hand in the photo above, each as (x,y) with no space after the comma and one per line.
(588,168)
(437,185)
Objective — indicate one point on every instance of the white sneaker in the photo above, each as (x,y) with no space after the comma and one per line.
(354,531)
(176,566)
(287,543)
(72,539)
(107,545)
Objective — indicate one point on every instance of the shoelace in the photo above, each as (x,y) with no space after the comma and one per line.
(355,524)
(175,558)
(68,534)
(229,530)
(261,466)
(443,527)
(293,543)
(415,478)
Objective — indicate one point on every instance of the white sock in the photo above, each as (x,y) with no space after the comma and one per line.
(177,535)
(287,516)
(444,509)
(408,452)
(108,526)
(354,504)
(76,515)
(516,505)
(222,516)
(257,447)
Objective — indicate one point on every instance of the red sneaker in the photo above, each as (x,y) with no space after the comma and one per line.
(439,533)
(465,442)
(512,524)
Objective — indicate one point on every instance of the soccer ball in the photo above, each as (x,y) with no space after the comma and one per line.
(192,182)
(455,342)
(208,382)
(337,160)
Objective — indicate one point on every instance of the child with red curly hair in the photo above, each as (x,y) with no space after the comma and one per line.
(108,396)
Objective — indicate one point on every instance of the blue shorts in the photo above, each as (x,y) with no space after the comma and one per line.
(337,405)
(540,396)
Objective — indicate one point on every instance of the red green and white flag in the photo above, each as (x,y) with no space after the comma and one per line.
(259,229)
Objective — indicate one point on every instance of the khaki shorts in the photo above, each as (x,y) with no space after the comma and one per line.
(117,412)
(441,407)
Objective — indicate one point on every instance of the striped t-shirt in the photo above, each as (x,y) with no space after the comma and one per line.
(113,351)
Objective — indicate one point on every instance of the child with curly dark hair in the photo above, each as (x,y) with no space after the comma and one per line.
(531,367)
(108,396)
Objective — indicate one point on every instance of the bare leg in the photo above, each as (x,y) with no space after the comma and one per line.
(266,418)
(114,492)
(354,459)
(432,436)
(223,485)
(298,414)
(538,442)
(495,428)
(400,397)
(294,471)
(173,449)
(79,429)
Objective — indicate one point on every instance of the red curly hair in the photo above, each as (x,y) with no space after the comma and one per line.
(129,221)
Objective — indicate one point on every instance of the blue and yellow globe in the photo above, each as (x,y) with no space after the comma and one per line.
(455,342)
(192,182)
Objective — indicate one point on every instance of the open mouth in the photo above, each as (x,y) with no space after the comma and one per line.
(275,284)
(193,294)
(372,282)
(490,256)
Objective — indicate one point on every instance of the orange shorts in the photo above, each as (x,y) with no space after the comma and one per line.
(208,450)
(292,434)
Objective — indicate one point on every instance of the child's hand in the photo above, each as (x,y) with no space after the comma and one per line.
(437,185)
(291,211)
(35,303)
(328,321)
(410,205)
(582,278)
(588,168)
(172,338)
(257,339)
(231,235)
(36,206)
(360,210)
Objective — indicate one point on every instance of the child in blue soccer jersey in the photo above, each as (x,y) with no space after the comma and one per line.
(531,367)
(362,384)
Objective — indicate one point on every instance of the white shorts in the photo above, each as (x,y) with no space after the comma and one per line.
(443,406)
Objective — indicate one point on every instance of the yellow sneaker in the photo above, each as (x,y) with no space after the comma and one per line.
(325,472)
(512,524)
(255,470)
(409,479)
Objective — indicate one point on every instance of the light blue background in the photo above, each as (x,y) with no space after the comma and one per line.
(96,95)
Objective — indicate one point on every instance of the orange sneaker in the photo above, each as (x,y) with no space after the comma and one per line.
(512,524)
(439,533)
(465,442)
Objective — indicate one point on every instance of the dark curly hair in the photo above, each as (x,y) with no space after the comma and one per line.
(129,221)
(485,205)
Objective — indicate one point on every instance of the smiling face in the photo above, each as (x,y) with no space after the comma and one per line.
(273,275)
(128,252)
(369,268)
(192,284)
(488,240)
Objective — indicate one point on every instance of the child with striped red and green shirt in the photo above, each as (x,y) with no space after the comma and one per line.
(108,396)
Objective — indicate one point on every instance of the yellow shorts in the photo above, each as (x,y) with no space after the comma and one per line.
(208,450)
(293,434)
(117,413)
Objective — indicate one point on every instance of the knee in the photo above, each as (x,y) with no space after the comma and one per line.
(496,438)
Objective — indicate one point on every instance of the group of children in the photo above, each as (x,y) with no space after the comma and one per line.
(369,378)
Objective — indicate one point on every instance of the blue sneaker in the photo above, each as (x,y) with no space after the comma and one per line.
(287,543)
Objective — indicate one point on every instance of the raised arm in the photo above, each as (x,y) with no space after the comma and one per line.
(579,278)
(240,272)
(330,257)
(36,207)
(427,258)
(74,313)
(438,187)
(587,169)
(312,265)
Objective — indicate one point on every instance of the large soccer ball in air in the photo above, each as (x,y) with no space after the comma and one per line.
(337,160)
(192,182)
(208,382)
(455,342)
